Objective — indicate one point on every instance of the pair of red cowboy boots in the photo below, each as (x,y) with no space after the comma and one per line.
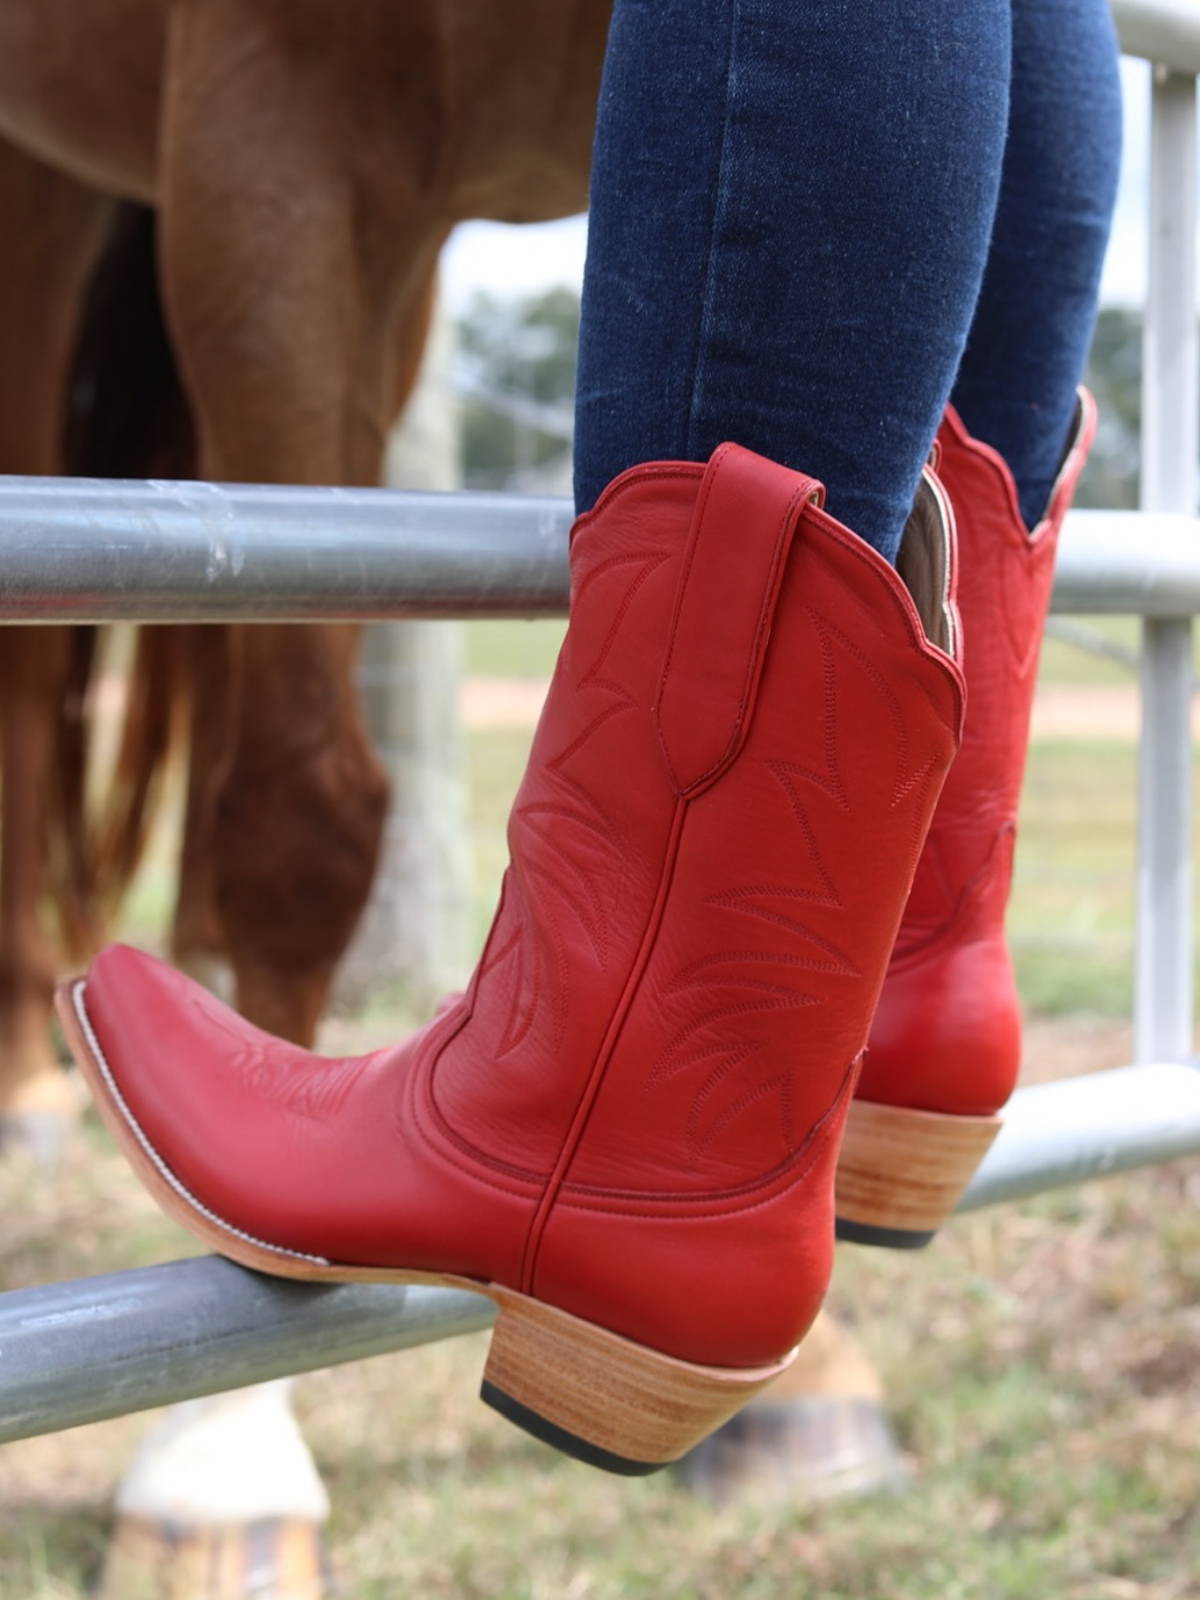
(630,1130)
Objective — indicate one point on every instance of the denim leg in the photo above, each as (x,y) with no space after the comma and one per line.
(1028,344)
(790,208)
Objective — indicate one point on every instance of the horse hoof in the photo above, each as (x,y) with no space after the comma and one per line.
(281,1557)
(221,1502)
(804,1450)
(819,1432)
(40,1117)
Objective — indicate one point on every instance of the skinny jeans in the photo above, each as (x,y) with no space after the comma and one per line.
(812,223)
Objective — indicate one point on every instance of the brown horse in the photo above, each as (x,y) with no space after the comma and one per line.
(306,161)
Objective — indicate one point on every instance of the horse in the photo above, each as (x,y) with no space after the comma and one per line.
(304,163)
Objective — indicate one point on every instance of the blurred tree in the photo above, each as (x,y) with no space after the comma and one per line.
(1114,375)
(515,374)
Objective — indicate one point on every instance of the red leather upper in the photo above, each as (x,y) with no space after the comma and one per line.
(947,1033)
(634,1111)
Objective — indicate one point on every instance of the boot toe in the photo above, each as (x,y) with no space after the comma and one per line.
(172,1071)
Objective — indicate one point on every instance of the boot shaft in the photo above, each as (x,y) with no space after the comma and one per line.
(1004,583)
(727,791)
(730,785)
(947,1032)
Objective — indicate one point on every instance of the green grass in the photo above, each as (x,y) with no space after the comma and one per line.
(1071,912)
(513,649)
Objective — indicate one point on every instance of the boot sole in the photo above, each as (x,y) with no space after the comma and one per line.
(901,1173)
(590,1393)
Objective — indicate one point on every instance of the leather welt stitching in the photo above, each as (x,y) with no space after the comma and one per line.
(152,1155)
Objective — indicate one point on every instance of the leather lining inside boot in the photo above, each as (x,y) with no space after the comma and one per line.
(923,563)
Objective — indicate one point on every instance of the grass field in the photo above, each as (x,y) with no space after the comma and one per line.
(1041,1361)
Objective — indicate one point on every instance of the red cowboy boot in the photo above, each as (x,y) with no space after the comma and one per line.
(945,1044)
(625,1132)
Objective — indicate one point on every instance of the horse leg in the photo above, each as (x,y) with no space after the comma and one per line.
(297,823)
(197,941)
(286,798)
(53,231)
(283,817)
(287,320)
(820,1433)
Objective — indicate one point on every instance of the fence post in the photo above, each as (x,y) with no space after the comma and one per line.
(414,934)
(1170,420)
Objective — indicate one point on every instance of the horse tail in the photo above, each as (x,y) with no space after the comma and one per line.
(126,416)
(155,701)
(68,856)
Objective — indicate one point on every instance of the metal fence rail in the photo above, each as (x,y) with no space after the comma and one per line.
(83,1351)
(1166,32)
(86,550)
(80,550)
(102,1347)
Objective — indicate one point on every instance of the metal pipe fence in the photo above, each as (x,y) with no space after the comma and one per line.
(90,550)
(1166,32)
(82,551)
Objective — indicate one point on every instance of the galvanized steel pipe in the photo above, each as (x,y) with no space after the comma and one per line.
(78,550)
(1062,1133)
(84,550)
(80,1352)
(102,1347)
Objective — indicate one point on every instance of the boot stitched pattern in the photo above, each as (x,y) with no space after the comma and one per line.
(771,950)
(602,854)
(769,945)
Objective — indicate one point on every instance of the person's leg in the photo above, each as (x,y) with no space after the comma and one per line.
(790,210)
(1037,308)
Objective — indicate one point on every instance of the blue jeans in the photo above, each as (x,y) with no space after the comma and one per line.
(813,222)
